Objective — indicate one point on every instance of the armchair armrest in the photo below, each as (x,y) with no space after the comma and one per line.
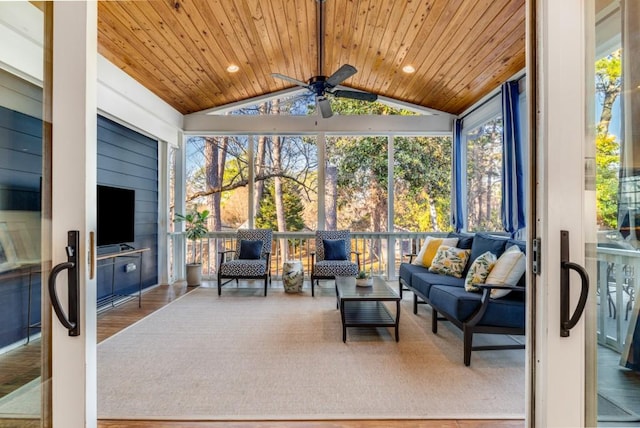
(357,253)
(223,255)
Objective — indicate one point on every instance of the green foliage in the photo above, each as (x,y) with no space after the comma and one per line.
(607,165)
(195,225)
(422,174)
(608,84)
(293,208)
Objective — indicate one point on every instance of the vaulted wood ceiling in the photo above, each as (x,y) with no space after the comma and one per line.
(180,49)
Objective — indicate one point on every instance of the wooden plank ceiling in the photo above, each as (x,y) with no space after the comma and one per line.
(180,49)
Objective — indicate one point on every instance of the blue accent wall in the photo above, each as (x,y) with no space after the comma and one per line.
(129,160)
(125,159)
(20,172)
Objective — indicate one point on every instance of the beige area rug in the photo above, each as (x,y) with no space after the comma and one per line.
(243,356)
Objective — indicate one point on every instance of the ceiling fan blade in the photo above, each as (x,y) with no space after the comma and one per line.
(341,74)
(290,79)
(324,106)
(355,95)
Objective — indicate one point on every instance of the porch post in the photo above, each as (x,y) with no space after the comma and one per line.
(391,241)
(322,165)
(179,255)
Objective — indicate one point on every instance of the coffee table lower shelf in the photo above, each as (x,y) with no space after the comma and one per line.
(367,314)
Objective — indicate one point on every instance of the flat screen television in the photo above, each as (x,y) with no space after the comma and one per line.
(116,215)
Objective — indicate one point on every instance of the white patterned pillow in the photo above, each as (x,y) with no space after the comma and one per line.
(479,270)
(430,247)
(450,261)
(507,270)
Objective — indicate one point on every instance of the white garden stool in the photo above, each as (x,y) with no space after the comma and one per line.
(292,276)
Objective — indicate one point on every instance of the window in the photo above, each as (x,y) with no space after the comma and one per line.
(356,184)
(484,176)
(422,184)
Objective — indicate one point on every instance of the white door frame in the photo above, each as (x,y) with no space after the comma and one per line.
(559,66)
(74,109)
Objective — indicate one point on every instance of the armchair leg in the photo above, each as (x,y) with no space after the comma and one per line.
(415,304)
(219,285)
(400,288)
(266,280)
(312,287)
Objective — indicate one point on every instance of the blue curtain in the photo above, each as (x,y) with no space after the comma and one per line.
(457,188)
(513,216)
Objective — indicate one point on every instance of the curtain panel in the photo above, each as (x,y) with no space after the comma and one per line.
(513,214)
(458,209)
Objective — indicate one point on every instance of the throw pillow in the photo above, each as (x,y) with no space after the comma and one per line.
(450,261)
(479,270)
(334,249)
(250,249)
(430,247)
(507,270)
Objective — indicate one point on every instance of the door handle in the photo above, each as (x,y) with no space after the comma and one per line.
(73,281)
(568,322)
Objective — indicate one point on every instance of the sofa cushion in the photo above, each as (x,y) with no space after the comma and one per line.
(479,270)
(523,247)
(450,261)
(461,304)
(483,242)
(430,247)
(465,240)
(508,270)
(407,270)
(423,281)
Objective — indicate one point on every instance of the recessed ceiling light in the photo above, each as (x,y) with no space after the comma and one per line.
(408,69)
(233,68)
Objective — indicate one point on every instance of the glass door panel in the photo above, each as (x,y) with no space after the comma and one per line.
(24,201)
(617,147)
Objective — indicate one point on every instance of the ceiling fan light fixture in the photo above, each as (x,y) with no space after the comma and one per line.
(408,69)
(232,68)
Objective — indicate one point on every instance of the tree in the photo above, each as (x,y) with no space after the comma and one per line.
(293,208)
(608,85)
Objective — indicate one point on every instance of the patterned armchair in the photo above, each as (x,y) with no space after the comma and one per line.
(333,256)
(250,259)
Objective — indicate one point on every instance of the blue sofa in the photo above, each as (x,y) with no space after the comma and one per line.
(471,312)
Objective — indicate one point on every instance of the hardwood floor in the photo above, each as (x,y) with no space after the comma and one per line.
(25,362)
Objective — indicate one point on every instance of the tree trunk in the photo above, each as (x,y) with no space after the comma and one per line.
(433,215)
(259,165)
(331,198)
(278,194)
(215,157)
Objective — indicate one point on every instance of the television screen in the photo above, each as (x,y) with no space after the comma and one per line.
(116,215)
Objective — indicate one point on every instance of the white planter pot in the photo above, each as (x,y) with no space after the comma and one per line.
(364,282)
(194,274)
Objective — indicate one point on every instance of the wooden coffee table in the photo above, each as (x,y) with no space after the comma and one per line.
(364,307)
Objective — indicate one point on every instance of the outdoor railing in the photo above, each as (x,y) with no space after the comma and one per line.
(380,252)
(617,283)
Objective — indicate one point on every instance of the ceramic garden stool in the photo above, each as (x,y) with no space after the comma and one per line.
(292,276)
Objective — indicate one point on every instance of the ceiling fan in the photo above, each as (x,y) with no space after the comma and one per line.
(321,85)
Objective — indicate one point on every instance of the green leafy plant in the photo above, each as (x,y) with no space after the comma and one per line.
(362,275)
(195,226)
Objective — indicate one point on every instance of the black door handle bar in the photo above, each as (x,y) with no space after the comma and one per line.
(73,277)
(568,322)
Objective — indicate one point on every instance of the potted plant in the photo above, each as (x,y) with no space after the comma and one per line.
(363,280)
(195,229)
